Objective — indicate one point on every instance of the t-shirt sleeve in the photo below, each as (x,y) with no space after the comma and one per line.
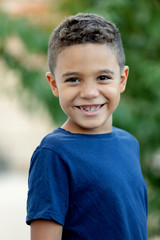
(48,184)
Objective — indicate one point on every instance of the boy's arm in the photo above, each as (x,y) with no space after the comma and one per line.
(46,230)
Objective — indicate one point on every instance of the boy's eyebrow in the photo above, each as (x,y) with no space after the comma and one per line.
(69,74)
(108,71)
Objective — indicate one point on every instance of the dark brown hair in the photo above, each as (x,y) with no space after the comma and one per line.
(81,29)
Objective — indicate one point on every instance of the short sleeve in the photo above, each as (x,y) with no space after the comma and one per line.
(48,187)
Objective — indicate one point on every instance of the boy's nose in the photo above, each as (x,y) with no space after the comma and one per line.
(89,91)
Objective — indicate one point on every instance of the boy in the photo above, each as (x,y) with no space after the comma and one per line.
(85,180)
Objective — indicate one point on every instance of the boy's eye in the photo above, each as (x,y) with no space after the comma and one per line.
(103,77)
(72,80)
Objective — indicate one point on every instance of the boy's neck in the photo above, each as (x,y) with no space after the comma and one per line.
(70,126)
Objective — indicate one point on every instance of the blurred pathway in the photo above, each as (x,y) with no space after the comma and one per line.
(13,194)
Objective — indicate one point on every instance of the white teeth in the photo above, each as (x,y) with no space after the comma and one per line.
(90,108)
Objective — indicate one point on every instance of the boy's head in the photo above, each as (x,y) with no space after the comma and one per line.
(81,29)
(86,61)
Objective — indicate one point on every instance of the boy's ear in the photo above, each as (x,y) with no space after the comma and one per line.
(52,83)
(123,80)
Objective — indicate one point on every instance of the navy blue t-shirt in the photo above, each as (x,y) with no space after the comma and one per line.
(91,184)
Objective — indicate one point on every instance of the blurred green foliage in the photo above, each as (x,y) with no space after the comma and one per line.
(35,41)
(139,111)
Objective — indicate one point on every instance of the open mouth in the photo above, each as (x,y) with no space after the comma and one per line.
(90,108)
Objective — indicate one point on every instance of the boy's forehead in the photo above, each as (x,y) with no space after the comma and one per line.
(86,49)
(83,55)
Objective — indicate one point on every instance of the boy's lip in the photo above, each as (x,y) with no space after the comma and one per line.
(91,107)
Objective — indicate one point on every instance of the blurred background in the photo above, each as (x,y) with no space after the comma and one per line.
(28,110)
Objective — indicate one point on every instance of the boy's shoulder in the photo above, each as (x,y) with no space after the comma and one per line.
(59,136)
(65,144)
(52,138)
(123,134)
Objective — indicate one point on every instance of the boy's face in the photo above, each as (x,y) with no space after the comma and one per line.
(88,82)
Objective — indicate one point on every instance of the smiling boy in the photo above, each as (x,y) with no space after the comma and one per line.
(89,83)
(85,179)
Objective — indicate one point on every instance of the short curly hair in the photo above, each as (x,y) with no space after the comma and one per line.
(81,29)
